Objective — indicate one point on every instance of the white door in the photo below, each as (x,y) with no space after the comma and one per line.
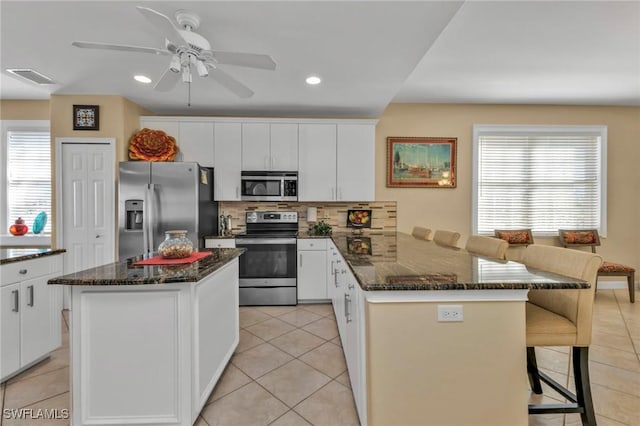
(87,200)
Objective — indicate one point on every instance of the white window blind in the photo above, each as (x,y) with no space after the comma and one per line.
(540,178)
(28,176)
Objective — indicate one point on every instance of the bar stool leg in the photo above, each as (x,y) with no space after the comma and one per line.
(532,371)
(583,387)
(631,283)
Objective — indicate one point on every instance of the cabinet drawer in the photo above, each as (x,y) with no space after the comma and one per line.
(29,269)
(219,243)
(312,244)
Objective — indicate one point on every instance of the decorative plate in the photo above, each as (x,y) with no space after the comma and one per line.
(152,145)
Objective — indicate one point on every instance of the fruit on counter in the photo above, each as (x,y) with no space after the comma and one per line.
(18,228)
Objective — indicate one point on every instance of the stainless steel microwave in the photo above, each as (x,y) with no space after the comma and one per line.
(269,186)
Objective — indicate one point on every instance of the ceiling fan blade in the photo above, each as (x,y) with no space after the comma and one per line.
(119,47)
(167,81)
(229,82)
(163,24)
(251,60)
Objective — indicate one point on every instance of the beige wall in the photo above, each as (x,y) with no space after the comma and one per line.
(451,208)
(118,119)
(24,110)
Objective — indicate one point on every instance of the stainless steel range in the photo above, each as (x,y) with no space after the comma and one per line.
(268,270)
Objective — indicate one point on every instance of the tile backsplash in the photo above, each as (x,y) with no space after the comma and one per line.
(383,213)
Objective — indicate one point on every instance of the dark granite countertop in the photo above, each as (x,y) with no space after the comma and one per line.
(19,254)
(125,273)
(397,261)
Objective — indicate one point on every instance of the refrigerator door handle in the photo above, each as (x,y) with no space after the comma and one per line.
(145,221)
(152,217)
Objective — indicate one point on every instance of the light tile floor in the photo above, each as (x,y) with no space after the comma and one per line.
(289,369)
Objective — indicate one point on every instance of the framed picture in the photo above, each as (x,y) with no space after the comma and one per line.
(421,162)
(86,117)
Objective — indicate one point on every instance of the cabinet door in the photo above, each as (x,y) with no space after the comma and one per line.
(312,274)
(317,162)
(356,162)
(10,305)
(227,155)
(35,328)
(196,142)
(284,147)
(255,146)
(353,341)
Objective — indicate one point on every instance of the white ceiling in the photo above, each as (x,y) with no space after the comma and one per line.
(369,53)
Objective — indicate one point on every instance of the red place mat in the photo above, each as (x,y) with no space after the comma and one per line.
(158,260)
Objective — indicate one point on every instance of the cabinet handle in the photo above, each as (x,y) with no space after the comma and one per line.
(30,302)
(350,285)
(16,301)
(301,260)
(22,271)
(347,303)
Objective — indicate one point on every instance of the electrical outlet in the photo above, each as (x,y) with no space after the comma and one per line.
(450,313)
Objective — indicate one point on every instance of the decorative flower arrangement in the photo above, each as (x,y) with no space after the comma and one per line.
(152,145)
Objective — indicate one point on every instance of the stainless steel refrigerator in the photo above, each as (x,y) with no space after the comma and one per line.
(154,197)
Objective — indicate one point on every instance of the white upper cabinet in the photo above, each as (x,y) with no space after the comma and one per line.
(337,162)
(255,146)
(317,162)
(268,146)
(196,142)
(284,147)
(228,161)
(355,177)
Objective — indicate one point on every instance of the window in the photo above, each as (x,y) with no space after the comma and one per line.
(540,177)
(27,173)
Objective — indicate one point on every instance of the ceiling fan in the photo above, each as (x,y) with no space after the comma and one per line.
(189,51)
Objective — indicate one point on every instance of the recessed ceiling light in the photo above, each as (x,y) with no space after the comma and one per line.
(313,80)
(142,79)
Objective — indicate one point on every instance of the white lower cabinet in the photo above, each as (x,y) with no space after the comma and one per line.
(312,269)
(30,313)
(347,299)
(219,242)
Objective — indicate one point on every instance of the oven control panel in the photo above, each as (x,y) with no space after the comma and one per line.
(272,217)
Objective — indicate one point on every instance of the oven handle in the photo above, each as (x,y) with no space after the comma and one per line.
(252,241)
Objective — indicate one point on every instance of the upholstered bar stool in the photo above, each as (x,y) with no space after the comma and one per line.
(487,246)
(590,238)
(421,233)
(446,238)
(562,318)
(518,239)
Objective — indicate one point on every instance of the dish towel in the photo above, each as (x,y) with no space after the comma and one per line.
(159,260)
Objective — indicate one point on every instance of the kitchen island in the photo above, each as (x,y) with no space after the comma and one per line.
(149,343)
(433,335)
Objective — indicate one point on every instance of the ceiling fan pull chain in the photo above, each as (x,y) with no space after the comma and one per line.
(189,101)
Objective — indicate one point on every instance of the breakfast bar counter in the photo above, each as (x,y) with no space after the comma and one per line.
(149,343)
(433,335)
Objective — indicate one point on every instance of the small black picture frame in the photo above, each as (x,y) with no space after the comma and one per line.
(86,117)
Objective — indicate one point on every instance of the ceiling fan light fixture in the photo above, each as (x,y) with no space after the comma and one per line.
(175,64)
(202,69)
(142,79)
(186,74)
(313,80)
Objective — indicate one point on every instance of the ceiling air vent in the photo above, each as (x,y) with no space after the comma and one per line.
(31,75)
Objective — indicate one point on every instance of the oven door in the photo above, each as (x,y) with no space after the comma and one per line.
(268,262)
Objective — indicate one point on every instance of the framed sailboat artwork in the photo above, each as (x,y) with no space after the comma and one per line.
(421,162)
